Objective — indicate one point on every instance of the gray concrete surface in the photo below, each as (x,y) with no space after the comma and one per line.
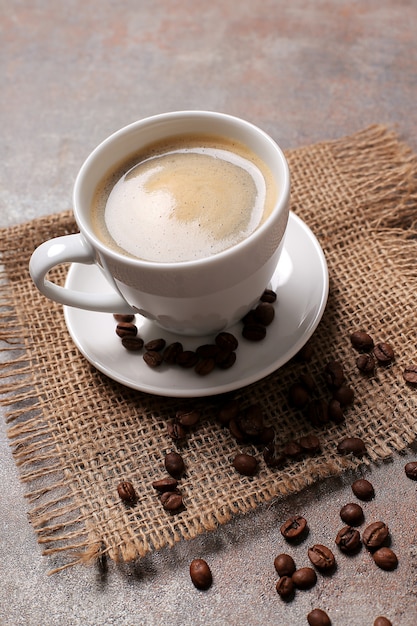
(73,72)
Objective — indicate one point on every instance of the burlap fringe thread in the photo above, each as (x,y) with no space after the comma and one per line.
(376,207)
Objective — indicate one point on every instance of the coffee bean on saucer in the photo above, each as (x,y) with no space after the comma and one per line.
(207,351)
(348,539)
(254,332)
(155,345)
(226,341)
(152,358)
(245,464)
(375,535)
(382,621)
(205,366)
(285,587)
(363,489)
(225,359)
(126,329)
(360,340)
(132,344)
(411,470)
(294,527)
(172,351)
(200,574)
(187,359)
(365,363)
(321,557)
(385,558)
(410,374)
(352,445)
(268,296)
(264,313)
(384,353)
(174,464)
(304,578)
(352,514)
(120,317)
(318,617)
(284,565)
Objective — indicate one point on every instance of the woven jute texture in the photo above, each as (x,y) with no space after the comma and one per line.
(75,433)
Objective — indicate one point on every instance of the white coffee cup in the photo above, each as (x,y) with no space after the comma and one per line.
(196,297)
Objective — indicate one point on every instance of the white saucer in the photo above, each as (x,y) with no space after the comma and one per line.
(301,282)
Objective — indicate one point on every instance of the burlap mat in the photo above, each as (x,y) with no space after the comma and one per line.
(75,434)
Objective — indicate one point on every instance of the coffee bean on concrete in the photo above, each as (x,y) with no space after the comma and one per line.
(385,558)
(374,535)
(348,540)
(304,578)
(363,489)
(284,564)
(200,574)
(321,557)
(318,617)
(352,514)
(411,470)
(294,527)
(285,587)
(382,621)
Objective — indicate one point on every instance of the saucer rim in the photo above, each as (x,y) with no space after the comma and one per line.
(204,388)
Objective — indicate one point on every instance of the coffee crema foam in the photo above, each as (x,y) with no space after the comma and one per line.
(183,202)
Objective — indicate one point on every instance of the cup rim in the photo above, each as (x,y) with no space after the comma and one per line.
(86,230)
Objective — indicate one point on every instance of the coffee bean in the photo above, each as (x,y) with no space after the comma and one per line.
(284,565)
(335,411)
(351,445)
(268,296)
(254,332)
(318,412)
(363,489)
(334,374)
(294,527)
(385,558)
(365,363)
(174,464)
(318,617)
(187,359)
(264,313)
(309,444)
(348,539)
(225,359)
(155,345)
(308,382)
(266,436)
(172,352)
(205,366)
(251,422)
(207,350)
(188,417)
(384,353)
(292,449)
(245,464)
(382,621)
(304,578)
(152,358)
(298,396)
(285,587)
(272,457)
(360,340)
(200,574)
(375,535)
(411,470)
(120,317)
(352,514)
(226,341)
(126,329)
(321,557)
(235,430)
(228,411)
(410,374)
(133,344)
(165,484)
(127,492)
(176,431)
(345,395)
(172,501)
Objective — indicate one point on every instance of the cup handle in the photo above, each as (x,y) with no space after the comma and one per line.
(71,249)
